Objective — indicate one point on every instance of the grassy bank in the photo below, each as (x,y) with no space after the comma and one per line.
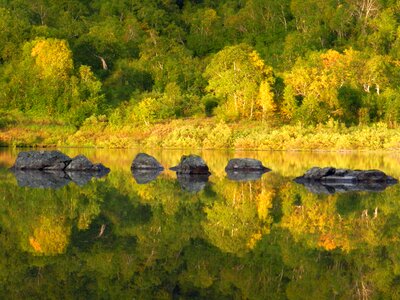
(17,130)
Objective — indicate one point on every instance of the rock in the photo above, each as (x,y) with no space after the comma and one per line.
(245,164)
(41,160)
(147,162)
(244,175)
(53,169)
(192,183)
(316,173)
(331,180)
(191,164)
(81,163)
(143,176)
(55,160)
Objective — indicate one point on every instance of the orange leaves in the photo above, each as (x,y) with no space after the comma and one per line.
(326,241)
(50,237)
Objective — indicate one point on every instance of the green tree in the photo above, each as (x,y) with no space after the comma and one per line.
(235,74)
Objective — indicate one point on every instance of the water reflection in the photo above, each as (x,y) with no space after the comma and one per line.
(41,179)
(318,187)
(193,183)
(143,176)
(230,239)
(53,179)
(244,175)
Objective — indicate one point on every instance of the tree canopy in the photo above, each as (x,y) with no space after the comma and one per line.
(285,61)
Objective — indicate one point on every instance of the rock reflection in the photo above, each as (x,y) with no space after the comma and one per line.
(82,178)
(143,176)
(53,179)
(192,183)
(244,175)
(317,187)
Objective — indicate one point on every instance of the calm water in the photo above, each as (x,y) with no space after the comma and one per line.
(113,238)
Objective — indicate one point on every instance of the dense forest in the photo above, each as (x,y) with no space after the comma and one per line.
(112,65)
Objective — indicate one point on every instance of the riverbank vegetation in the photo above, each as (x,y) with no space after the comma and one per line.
(282,75)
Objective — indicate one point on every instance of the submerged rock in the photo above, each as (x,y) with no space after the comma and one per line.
(41,160)
(245,164)
(331,180)
(191,164)
(143,176)
(193,183)
(147,162)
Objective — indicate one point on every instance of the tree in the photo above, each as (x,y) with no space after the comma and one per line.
(235,74)
(13,31)
(53,58)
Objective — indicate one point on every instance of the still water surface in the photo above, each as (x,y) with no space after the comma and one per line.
(271,238)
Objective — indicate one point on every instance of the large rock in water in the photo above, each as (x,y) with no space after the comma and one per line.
(330,180)
(41,160)
(191,164)
(55,161)
(81,163)
(145,161)
(345,175)
(245,164)
(245,169)
(53,169)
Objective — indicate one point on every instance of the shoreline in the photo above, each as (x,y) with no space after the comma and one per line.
(205,134)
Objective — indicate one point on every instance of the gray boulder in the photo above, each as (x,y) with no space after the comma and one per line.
(41,160)
(245,164)
(346,176)
(316,173)
(147,162)
(81,163)
(191,164)
(53,169)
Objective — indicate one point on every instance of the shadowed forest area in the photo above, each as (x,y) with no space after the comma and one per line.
(250,74)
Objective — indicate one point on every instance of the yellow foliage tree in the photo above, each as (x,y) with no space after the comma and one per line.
(266,99)
(53,58)
(239,76)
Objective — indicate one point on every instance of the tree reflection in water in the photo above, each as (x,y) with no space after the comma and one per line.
(269,238)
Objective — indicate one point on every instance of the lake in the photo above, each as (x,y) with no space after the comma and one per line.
(270,238)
